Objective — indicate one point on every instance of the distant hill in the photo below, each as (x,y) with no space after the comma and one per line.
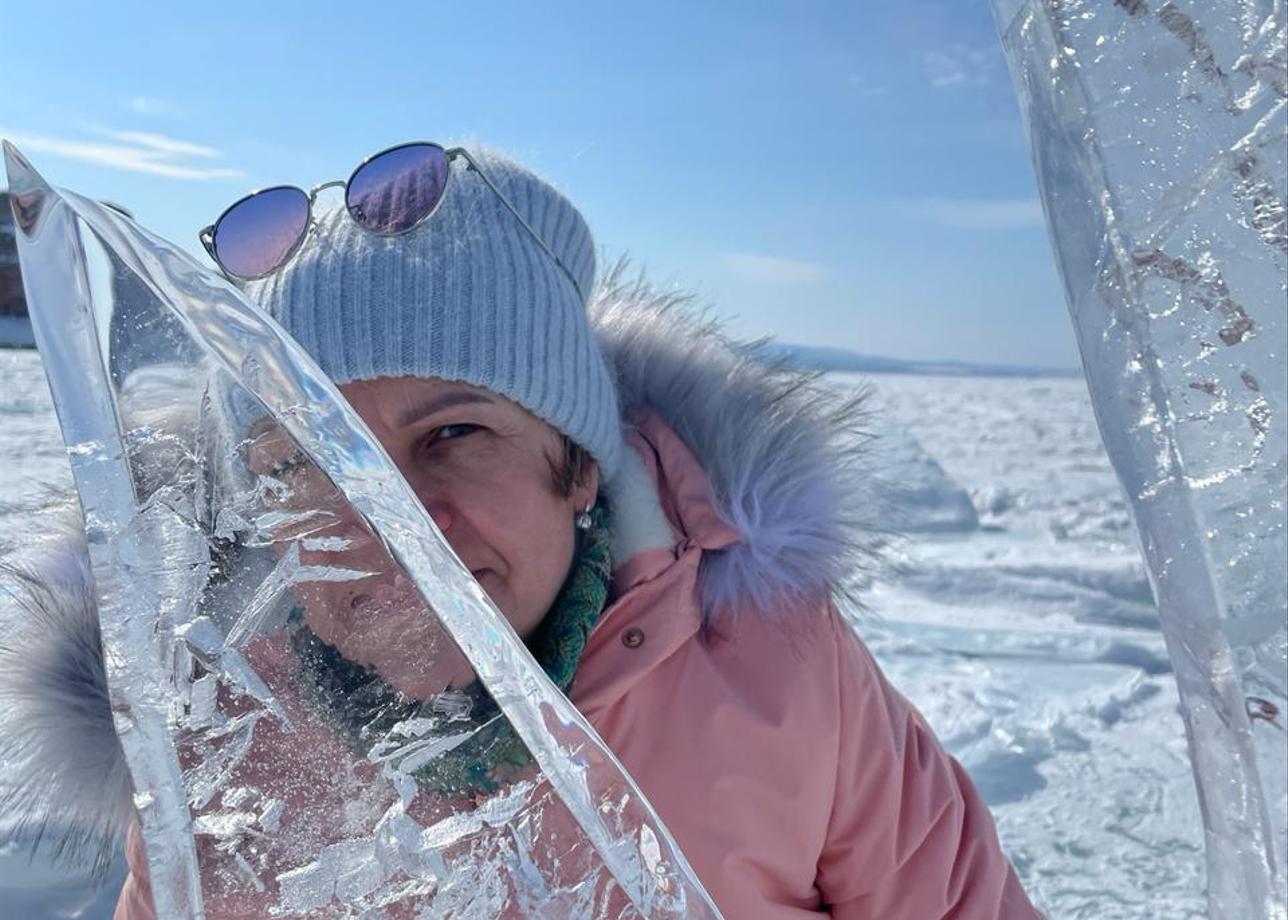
(840,360)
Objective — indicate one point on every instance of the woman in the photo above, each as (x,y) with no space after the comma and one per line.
(706,508)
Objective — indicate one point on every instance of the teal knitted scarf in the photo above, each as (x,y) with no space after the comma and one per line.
(357,703)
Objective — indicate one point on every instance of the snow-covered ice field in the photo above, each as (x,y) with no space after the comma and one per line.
(1016,616)
(1030,642)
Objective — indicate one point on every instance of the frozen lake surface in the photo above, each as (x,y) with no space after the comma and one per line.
(1016,616)
(1031,644)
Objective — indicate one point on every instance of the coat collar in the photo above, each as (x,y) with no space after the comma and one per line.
(660,499)
(655,607)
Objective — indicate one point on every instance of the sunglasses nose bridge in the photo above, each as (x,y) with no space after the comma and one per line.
(323,186)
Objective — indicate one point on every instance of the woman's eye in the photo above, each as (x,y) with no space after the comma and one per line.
(453,432)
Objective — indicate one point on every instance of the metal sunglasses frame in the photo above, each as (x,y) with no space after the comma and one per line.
(207,235)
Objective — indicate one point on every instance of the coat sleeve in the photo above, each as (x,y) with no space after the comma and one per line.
(909,837)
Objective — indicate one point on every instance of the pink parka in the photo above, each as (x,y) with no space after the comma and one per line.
(795,779)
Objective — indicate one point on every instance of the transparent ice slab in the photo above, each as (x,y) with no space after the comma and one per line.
(323,713)
(1159,141)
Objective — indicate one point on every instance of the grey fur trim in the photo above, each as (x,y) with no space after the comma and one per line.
(65,772)
(785,453)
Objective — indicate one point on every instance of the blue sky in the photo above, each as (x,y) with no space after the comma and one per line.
(847,174)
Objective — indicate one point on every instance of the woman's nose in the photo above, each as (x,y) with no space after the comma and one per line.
(440,514)
(434,493)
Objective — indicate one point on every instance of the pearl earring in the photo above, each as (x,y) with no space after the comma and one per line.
(583,521)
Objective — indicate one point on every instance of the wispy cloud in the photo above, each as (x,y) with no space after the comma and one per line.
(153,107)
(131,151)
(865,86)
(977,213)
(166,146)
(772,269)
(960,65)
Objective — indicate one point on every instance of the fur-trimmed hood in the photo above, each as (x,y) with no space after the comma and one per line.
(784,453)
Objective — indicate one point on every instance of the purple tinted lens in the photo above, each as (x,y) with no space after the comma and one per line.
(396,190)
(257,234)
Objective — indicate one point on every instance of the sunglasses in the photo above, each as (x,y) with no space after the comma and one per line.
(390,193)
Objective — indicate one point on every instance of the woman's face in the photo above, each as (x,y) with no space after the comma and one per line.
(481,465)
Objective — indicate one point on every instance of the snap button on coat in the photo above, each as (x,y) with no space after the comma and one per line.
(633,637)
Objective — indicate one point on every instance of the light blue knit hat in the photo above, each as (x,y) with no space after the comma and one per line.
(468,295)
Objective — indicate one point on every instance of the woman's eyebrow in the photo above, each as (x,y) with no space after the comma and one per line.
(420,410)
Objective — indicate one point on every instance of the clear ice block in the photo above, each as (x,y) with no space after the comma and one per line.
(1159,141)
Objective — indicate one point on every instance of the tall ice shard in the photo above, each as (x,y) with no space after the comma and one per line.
(1158,136)
(323,713)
